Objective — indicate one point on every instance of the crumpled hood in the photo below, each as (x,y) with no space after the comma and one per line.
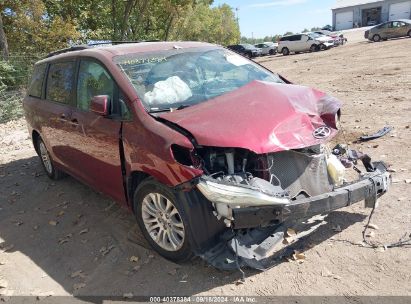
(262,117)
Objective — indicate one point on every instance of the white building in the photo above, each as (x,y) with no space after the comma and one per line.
(357,13)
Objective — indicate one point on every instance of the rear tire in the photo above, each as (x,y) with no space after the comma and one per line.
(409,33)
(285,51)
(376,38)
(48,164)
(161,219)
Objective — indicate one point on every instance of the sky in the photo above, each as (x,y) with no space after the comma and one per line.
(260,18)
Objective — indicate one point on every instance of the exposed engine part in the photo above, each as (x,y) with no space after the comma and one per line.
(301,173)
(230,162)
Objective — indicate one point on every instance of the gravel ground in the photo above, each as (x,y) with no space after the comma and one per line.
(63,238)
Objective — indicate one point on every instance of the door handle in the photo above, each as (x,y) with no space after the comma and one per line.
(62,118)
(74,122)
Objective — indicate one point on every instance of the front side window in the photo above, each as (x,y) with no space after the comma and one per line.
(93,80)
(60,82)
(37,79)
(178,78)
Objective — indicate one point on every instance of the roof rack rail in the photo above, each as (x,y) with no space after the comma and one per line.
(70,49)
(90,45)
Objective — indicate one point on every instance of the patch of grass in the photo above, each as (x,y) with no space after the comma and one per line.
(10,105)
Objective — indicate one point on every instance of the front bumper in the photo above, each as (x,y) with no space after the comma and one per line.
(265,245)
(250,208)
(328,44)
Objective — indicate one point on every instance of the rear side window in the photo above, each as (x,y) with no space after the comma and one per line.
(93,80)
(37,79)
(60,82)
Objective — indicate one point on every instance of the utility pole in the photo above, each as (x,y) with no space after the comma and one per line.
(238,22)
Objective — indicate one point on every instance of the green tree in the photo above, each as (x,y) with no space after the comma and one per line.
(29,28)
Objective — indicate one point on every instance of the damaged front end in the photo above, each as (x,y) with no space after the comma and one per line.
(259,196)
(267,166)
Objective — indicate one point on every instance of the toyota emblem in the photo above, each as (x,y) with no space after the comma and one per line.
(322,132)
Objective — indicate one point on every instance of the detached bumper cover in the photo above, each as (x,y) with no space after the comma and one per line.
(262,248)
(253,208)
(368,189)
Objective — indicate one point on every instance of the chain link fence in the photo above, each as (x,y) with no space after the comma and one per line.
(14,79)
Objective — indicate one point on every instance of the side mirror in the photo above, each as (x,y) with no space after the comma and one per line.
(99,104)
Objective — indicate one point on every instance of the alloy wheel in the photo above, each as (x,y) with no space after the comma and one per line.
(45,158)
(163,221)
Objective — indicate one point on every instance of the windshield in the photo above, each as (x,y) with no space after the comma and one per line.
(174,79)
(315,35)
(248,46)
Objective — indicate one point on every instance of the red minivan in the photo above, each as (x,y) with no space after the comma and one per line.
(215,155)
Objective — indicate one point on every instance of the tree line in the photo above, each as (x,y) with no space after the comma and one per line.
(40,26)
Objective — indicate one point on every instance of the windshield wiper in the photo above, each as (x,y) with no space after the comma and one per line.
(159,110)
(171,109)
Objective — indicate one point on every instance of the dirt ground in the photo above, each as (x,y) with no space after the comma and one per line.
(63,238)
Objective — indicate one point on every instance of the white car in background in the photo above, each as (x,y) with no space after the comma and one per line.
(326,42)
(298,43)
(338,37)
(267,48)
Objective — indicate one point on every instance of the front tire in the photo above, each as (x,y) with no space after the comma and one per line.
(314,48)
(161,219)
(409,33)
(48,165)
(376,38)
(285,51)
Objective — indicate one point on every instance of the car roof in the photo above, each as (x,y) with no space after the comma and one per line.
(112,50)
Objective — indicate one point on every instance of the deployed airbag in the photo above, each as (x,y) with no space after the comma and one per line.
(169,91)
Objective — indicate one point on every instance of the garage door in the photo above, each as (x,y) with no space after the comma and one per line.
(344,21)
(400,10)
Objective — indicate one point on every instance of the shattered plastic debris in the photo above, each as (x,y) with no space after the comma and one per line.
(134,259)
(377,134)
(337,228)
(53,223)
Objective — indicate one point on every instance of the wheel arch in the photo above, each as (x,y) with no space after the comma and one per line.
(35,137)
(133,181)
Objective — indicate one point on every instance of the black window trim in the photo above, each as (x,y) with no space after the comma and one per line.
(42,83)
(65,60)
(117,91)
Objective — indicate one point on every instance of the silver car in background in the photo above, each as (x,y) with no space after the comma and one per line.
(390,29)
(267,48)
